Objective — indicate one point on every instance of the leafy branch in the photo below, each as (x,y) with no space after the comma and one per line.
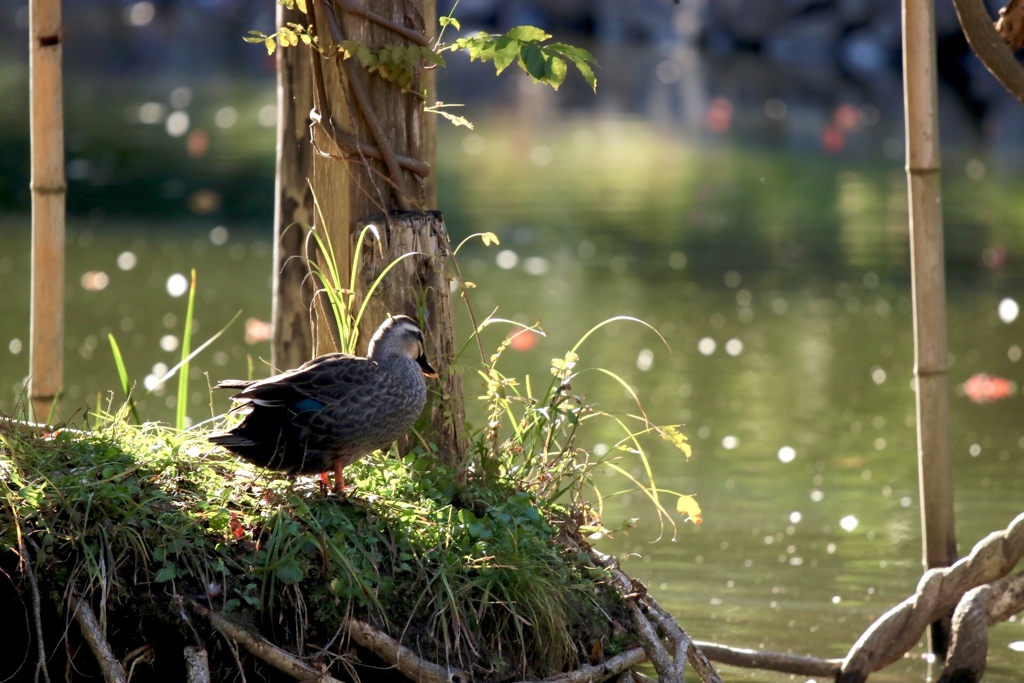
(288,35)
(525,45)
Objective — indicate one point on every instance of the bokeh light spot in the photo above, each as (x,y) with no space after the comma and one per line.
(177,285)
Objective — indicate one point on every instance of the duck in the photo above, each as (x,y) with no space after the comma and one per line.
(334,409)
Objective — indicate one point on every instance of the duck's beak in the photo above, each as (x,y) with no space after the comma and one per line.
(428,370)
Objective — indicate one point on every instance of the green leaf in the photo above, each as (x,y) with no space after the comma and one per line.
(531,59)
(167,573)
(289,571)
(556,71)
(431,57)
(505,52)
(581,58)
(364,55)
(481,48)
(576,54)
(530,34)
(271,45)
(450,21)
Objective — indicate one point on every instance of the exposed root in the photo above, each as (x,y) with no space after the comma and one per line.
(113,670)
(656,652)
(668,668)
(197,665)
(258,646)
(401,657)
(771,661)
(697,658)
(619,664)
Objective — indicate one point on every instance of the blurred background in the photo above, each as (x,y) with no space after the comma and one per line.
(737,182)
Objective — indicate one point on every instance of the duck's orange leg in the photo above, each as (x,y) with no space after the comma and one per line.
(339,477)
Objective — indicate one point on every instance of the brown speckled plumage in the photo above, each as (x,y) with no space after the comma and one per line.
(333,409)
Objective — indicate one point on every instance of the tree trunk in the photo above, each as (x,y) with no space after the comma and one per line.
(293,211)
(46,347)
(371,157)
(359,111)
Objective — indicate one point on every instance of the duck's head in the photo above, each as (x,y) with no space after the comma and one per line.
(399,335)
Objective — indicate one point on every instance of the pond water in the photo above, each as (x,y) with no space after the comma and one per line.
(778,278)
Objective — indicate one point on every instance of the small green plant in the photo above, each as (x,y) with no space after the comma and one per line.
(531,437)
(181,407)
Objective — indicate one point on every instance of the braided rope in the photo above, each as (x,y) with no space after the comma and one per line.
(938,592)
(981,607)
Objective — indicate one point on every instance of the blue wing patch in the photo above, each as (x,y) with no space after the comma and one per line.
(308,404)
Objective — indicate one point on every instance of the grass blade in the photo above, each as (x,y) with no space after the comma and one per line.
(186,337)
(173,371)
(122,373)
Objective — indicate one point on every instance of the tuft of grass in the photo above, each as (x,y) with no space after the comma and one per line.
(341,295)
(458,575)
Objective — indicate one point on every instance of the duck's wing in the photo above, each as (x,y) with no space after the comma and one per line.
(330,379)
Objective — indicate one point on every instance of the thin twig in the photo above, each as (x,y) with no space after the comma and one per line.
(680,640)
(693,653)
(26,561)
(113,670)
(321,103)
(350,144)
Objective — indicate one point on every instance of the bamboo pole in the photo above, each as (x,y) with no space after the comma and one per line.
(46,347)
(928,275)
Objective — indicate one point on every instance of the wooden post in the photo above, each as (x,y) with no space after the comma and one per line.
(929,292)
(293,205)
(46,346)
(419,283)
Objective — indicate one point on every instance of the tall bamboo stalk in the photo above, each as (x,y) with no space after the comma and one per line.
(46,348)
(929,290)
